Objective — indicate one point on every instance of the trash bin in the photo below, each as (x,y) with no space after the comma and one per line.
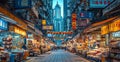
(12,58)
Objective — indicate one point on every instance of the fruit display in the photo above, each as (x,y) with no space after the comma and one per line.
(7,43)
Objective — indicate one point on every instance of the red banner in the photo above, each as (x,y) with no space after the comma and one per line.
(50,32)
(74,16)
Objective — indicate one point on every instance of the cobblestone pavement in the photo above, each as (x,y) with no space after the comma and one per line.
(58,56)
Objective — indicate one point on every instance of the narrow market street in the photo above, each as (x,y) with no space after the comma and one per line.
(59,30)
(58,56)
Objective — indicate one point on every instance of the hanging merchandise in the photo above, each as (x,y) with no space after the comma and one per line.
(7,43)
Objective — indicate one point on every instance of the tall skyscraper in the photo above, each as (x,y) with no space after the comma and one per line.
(67,14)
(58,21)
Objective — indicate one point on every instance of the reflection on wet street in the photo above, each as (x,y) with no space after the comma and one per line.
(58,56)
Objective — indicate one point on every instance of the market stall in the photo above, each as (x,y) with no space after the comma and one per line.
(113,37)
(98,39)
(33,45)
(5,42)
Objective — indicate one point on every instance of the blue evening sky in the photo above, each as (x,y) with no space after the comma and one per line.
(60,2)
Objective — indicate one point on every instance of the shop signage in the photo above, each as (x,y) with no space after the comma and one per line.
(3,25)
(47,27)
(20,4)
(111,6)
(74,16)
(115,26)
(82,22)
(43,22)
(19,31)
(49,35)
(105,29)
(99,3)
(50,32)
(112,27)
(85,14)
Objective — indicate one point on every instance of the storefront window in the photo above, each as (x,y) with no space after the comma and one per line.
(116,34)
(16,39)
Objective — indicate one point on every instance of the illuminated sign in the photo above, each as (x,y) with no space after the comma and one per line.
(85,14)
(112,27)
(47,27)
(19,31)
(74,16)
(3,25)
(105,29)
(49,35)
(43,22)
(50,32)
(23,4)
(115,26)
(99,3)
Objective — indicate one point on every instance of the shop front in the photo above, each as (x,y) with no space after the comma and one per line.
(4,45)
(13,41)
(3,28)
(111,32)
(45,45)
(33,40)
(33,45)
(18,35)
(98,38)
(12,36)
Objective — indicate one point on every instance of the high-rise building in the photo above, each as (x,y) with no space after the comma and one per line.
(58,21)
(67,14)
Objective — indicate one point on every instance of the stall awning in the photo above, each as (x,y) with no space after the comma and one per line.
(20,22)
(97,25)
(7,19)
(34,30)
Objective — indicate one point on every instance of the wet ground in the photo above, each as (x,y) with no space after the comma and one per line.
(57,56)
